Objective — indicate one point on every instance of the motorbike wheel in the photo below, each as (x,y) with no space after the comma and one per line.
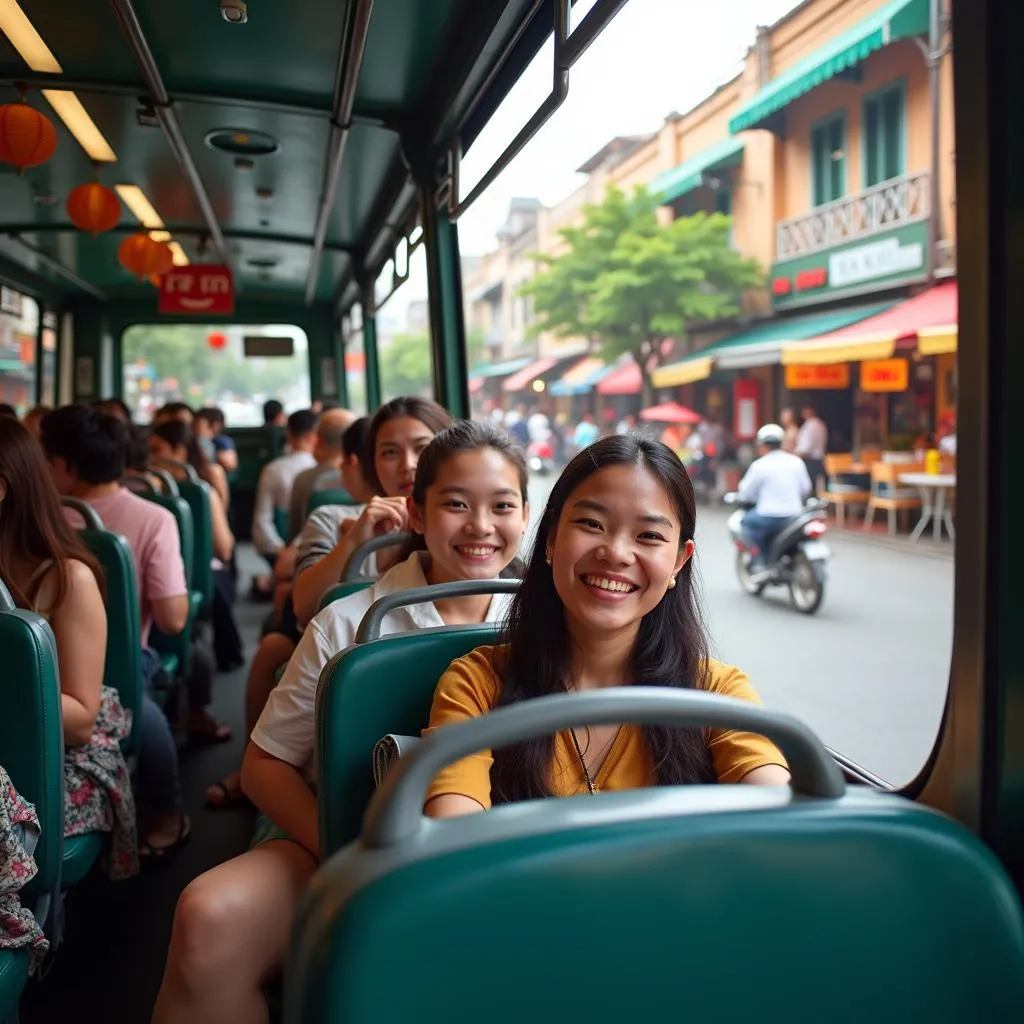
(807,586)
(743,575)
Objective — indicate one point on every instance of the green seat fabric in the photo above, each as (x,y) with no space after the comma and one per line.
(169,663)
(329,496)
(32,736)
(340,590)
(622,905)
(123,665)
(281,523)
(198,497)
(181,645)
(366,692)
(13,978)
(80,853)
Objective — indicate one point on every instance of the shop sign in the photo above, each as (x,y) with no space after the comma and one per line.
(818,378)
(880,375)
(199,288)
(877,259)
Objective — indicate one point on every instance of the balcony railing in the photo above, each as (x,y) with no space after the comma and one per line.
(897,201)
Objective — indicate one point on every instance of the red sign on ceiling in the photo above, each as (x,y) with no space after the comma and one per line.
(197,289)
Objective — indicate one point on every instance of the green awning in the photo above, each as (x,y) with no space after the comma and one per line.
(761,345)
(898,19)
(499,369)
(689,174)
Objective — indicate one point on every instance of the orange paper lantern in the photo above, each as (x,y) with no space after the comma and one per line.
(216,340)
(165,259)
(27,137)
(94,208)
(140,255)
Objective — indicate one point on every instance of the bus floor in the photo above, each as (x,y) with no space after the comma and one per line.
(109,967)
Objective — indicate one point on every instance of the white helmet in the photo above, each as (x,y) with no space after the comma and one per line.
(771,434)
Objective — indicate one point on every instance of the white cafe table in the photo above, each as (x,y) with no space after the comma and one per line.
(933,488)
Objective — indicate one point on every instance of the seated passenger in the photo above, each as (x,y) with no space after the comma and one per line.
(34,417)
(608,600)
(274,489)
(399,431)
(316,541)
(48,570)
(114,407)
(209,426)
(328,453)
(232,924)
(180,411)
(86,450)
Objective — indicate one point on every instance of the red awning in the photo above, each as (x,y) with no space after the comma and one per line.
(623,380)
(521,381)
(930,316)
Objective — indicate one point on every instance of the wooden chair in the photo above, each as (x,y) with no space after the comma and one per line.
(889,494)
(836,492)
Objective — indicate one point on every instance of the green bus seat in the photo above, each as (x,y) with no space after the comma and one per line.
(340,590)
(170,663)
(197,494)
(281,523)
(13,978)
(365,692)
(329,496)
(80,853)
(812,876)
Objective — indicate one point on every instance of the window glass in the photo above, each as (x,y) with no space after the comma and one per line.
(883,136)
(403,341)
(206,365)
(48,361)
(828,160)
(19,323)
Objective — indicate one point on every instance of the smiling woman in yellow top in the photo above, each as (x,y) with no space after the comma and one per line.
(608,600)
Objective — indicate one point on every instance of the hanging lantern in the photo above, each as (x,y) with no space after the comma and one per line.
(140,255)
(216,340)
(94,208)
(27,137)
(164,259)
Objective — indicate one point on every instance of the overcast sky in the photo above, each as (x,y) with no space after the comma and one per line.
(656,56)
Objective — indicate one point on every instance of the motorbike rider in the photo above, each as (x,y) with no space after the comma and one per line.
(777,484)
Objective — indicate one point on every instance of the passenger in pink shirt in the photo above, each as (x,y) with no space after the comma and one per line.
(86,452)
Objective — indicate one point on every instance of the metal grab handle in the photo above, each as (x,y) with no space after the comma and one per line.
(369,628)
(187,468)
(395,813)
(170,484)
(86,511)
(352,573)
(6,601)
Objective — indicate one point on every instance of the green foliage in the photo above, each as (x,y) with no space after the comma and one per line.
(625,281)
(406,368)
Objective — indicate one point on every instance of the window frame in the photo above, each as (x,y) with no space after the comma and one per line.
(840,117)
(898,85)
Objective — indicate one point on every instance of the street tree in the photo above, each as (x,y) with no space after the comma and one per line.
(626,281)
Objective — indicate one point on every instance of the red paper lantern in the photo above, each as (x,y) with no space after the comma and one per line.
(165,259)
(216,340)
(94,208)
(140,255)
(27,137)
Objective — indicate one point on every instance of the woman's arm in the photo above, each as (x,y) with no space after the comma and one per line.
(451,805)
(281,793)
(223,538)
(218,480)
(767,775)
(79,627)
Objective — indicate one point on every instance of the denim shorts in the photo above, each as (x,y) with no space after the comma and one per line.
(265,831)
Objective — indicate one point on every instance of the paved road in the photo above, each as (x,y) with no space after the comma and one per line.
(868,672)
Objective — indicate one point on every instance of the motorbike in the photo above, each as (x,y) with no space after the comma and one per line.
(540,456)
(798,557)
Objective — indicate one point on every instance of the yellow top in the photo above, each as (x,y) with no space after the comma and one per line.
(470,688)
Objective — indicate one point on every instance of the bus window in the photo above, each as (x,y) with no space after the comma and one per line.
(207,365)
(403,333)
(19,323)
(355,370)
(48,361)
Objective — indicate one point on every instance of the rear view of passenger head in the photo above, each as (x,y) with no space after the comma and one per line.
(212,415)
(8,410)
(84,445)
(330,431)
(175,440)
(392,451)
(180,411)
(273,413)
(301,424)
(32,526)
(114,407)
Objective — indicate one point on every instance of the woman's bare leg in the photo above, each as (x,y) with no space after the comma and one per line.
(231,930)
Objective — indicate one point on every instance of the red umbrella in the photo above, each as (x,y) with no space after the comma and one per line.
(670,412)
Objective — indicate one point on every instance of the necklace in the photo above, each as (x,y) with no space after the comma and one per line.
(591,788)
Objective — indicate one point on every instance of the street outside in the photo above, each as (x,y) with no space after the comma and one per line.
(868,672)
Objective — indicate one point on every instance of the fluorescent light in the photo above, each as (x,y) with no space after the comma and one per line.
(136,200)
(26,40)
(160,236)
(180,258)
(70,110)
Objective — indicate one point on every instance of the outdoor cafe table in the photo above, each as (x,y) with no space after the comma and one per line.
(933,488)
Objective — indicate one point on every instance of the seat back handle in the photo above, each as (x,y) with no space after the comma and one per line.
(6,601)
(369,628)
(185,467)
(395,814)
(354,565)
(85,510)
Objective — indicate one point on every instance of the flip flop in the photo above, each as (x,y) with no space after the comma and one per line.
(228,799)
(149,854)
(205,736)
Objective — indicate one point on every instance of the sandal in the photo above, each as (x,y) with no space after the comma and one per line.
(228,797)
(149,854)
(211,731)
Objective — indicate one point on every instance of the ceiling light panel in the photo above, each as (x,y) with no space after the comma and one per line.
(77,121)
(26,40)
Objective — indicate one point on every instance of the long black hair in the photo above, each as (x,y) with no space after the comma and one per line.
(671,646)
(179,435)
(433,416)
(464,436)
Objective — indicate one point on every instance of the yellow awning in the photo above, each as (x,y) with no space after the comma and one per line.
(937,341)
(685,372)
(850,349)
